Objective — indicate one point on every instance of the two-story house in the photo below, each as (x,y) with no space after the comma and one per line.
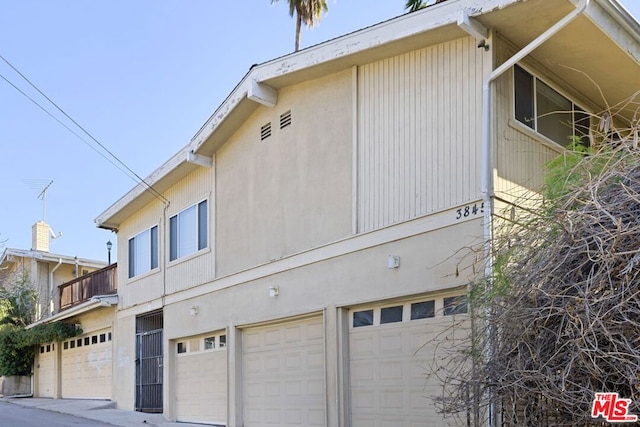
(303,257)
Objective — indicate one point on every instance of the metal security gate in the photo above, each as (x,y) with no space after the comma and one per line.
(149,362)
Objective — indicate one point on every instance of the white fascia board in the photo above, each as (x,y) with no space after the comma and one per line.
(175,161)
(618,24)
(390,31)
(78,309)
(51,257)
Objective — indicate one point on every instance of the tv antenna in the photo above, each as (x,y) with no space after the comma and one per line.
(42,185)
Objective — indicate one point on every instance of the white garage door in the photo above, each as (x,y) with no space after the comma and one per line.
(283,374)
(87,366)
(391,351)
(46,370)
(201,379)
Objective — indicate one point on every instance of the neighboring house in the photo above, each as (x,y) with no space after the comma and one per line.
(44,270)
(47,273)
(80,367)
(311,246)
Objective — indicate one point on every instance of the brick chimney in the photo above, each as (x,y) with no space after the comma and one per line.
(40,236)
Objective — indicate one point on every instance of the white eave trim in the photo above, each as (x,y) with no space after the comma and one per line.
(622,16)
(138,190)
(50,257)
(393,30)
(95,302)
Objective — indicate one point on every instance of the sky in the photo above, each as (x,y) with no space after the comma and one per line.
(142,77)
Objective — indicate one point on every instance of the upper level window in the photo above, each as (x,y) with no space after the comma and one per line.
(143,252)
(546,111)
(188,231)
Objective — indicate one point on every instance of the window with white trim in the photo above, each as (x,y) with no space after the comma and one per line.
(143,252)
(545,110)
(188,231)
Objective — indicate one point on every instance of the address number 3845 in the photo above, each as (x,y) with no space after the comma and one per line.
(470,210)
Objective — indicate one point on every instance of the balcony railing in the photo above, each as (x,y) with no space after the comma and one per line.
(99,282)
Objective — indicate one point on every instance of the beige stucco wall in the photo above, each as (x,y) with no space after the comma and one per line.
(428,262)
(292,191)
(124,362)
(96,319)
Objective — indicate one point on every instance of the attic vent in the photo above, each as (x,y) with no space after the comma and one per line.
(265,131)
(285,119)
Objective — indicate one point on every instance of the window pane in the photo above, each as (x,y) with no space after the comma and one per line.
(132,258)
(391,314)
(362,318)
(154,247)
(202,225)
(187,235)
(554,114)
(581,122)
(422,310)
(524,96)
(209,343)
(86,340)
(182,347)
(143,252)
(455,305)
(173,238)
(222,341)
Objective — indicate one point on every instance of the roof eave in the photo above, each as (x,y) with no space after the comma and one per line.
(301,64)
(103,301)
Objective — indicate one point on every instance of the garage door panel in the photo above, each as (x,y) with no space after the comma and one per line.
(201,386)
(283,374)
(388,363)
(87,369)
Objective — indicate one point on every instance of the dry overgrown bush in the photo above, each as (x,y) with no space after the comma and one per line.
(560,319)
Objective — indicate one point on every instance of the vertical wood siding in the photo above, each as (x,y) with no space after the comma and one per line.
(181,274)
(193,270)
(419,127)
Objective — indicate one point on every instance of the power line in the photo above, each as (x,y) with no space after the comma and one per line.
(66,127)
(130,171)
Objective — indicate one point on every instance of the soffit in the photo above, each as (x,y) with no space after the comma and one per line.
(575,55)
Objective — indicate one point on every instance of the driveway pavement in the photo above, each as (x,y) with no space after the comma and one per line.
(97,410)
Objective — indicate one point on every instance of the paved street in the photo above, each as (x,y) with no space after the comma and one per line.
(16,415)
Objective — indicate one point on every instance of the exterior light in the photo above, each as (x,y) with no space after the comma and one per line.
(109,246)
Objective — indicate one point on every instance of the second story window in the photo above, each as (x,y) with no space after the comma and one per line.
(548,112)
(188,231)
(143,252)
